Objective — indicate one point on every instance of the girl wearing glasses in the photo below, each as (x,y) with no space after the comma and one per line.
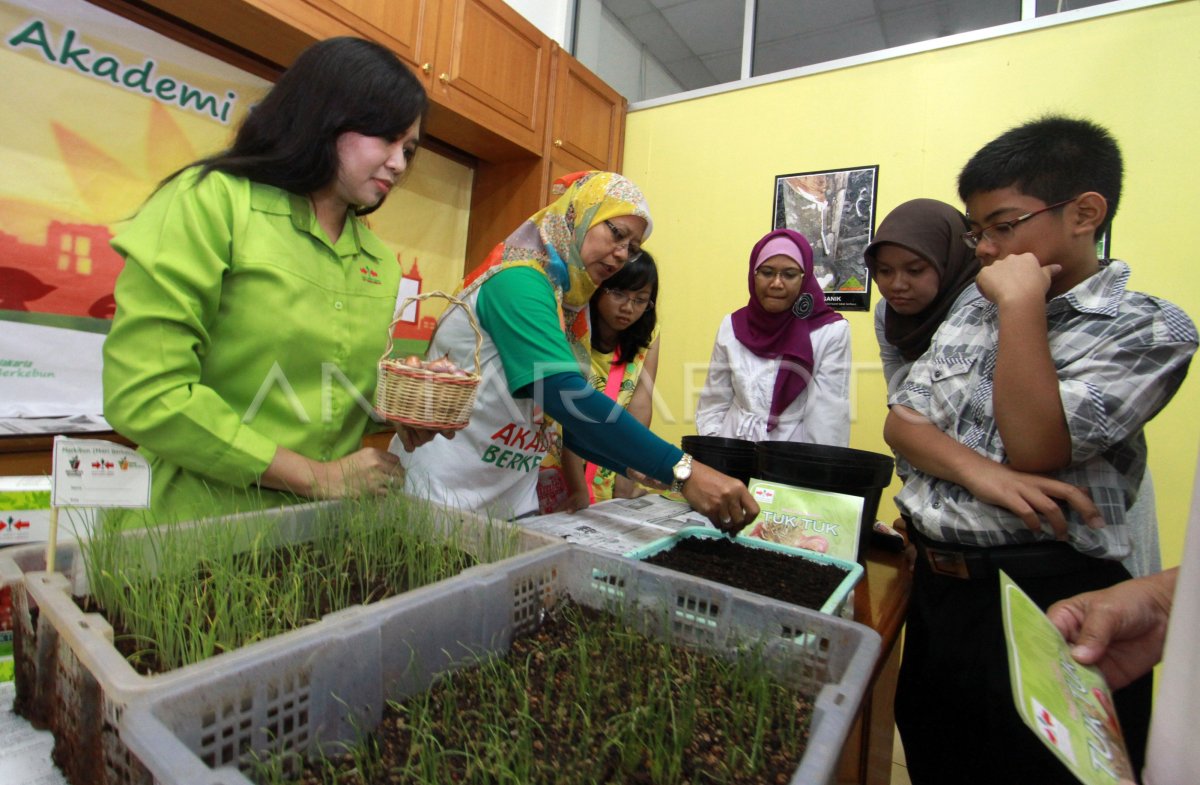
(624,361)
(530,299)
(780,367)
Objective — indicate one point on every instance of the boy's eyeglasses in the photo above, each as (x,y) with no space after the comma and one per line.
(633,251)
(620,297)
(1002,231)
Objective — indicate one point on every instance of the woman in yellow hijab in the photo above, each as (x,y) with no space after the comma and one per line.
(530,298)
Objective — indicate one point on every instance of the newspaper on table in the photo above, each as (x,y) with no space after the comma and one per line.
(619,525)
(43,426)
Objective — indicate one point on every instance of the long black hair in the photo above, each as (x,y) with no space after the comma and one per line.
(289,139)
(630,278)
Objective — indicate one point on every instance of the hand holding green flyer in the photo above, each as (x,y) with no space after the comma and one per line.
(1067,704)
(820,521)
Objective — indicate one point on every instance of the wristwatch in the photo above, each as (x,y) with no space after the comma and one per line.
(682,471)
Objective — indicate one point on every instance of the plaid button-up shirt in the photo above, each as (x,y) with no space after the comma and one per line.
(1120,358)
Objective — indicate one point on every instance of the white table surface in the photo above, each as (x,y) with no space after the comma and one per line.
(24,751)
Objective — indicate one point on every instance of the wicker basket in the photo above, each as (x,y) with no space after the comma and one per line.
(422,398)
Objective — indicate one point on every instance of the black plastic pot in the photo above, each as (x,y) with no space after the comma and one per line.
(822,467)
(735,457)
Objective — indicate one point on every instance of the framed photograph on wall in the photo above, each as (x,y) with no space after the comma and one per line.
(835,210)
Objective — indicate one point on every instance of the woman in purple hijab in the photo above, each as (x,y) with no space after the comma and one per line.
(780,367)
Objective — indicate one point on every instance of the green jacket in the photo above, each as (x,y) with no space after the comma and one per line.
(240,329)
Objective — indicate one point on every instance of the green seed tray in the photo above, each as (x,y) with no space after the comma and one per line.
(834,605)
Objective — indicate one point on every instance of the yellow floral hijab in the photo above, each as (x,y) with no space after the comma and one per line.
(552,238)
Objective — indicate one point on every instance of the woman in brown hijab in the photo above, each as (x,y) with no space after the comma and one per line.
(921,266)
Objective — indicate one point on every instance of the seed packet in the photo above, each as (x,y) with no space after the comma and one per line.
(820,521)
(1066,704)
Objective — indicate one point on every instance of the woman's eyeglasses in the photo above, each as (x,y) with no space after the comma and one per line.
(622,239)
(787,274)
(620,297)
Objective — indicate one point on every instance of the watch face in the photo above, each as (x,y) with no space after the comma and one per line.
(682,471)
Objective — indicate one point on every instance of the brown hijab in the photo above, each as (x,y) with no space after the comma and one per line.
(932,230)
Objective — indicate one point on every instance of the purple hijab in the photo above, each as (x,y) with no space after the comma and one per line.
(783,335)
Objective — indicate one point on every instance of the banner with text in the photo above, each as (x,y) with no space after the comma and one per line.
(97,110)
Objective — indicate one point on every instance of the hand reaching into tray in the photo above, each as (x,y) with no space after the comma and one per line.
(725,501)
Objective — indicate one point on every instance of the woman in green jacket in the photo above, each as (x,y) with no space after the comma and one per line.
(255,302)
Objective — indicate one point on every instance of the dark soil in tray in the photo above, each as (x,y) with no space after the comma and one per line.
(585,700)
(770,573)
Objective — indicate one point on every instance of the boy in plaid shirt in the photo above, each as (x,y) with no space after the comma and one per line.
(1023,425)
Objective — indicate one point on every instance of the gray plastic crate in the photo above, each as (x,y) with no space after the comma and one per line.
(15,562)
(72,679)
(319,691)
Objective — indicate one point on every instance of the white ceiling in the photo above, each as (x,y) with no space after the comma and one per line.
(699,41)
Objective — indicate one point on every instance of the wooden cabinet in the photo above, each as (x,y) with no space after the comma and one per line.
(499,88)
(275,31)
(407,27)
(586,130)
(33,455)
(880,602)
(587,126)
(492,68)
(486,68)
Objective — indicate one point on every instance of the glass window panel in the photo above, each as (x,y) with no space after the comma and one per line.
(1048,7)
(796,33)
(651,48)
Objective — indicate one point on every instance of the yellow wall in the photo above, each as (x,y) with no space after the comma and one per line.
(708,167)
(424,220)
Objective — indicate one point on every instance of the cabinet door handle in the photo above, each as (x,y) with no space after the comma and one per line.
(444,78)
(558,142)
(427,68)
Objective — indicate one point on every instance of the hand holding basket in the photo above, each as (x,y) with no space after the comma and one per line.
(423,398)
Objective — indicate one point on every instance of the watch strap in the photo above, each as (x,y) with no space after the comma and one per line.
(684,466)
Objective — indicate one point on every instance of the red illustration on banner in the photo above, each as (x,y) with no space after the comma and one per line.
(72,273)
(419,329)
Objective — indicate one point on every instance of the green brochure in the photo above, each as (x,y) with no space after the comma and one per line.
(1067,705)
(818,521)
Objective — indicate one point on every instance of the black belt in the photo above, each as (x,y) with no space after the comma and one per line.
(1036,560)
